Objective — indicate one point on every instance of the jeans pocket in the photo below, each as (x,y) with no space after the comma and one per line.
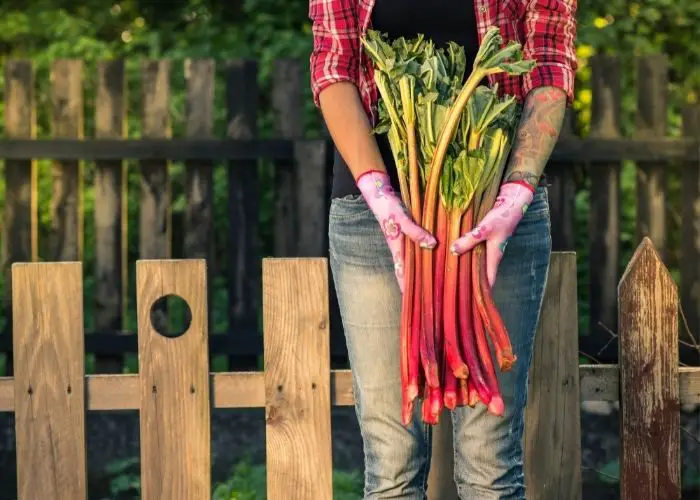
(350,207)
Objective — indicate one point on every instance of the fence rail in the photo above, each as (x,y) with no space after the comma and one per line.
(174,389)
(300,186)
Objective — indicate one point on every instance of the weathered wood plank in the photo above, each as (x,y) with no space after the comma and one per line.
(199,182)
(19,228)
(247,389)
(244,212)
(652,109)
(49,381)
(562,195)
(174,385)
(66,240)
(110,210)
(650,403)
(690,235)
(311,197)
(155,218)
(229,390)
(287,106)
(552,418)
(297,377)
(604,228)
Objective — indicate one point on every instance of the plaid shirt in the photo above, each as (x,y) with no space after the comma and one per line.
(545,28)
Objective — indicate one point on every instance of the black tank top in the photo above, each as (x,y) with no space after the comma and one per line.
(439,20)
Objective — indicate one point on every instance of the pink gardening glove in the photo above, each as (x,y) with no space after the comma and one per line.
(497,225)
(393,217)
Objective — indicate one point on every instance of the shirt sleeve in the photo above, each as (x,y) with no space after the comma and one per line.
(550,36)
(336,44)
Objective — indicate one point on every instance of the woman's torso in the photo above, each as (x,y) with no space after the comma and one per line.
(439,20)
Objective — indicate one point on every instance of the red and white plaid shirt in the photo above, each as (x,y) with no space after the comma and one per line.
(545,28)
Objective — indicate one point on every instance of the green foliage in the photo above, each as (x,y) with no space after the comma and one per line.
(246,482)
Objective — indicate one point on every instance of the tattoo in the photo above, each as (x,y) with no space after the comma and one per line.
(537,134)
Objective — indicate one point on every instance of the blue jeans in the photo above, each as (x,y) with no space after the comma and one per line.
(488,449)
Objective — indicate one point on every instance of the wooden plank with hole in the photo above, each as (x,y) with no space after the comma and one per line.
(111,210)
(20,224)
(174,382)
(649,393)
(552,417)
(66,239)
(49,381)
(297,379)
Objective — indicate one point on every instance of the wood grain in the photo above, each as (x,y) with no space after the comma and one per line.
(111,210)
(49,381)
(441,483)
(552,418)
(228,390)
(297,379)
(19,227)
(66,239)
(652,109)
(174,383)
(650,404)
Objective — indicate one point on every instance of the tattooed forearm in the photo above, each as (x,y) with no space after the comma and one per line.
(542,118)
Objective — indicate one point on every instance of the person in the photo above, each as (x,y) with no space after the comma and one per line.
(366,214)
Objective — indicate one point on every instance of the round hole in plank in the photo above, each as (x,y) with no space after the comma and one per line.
(171,316)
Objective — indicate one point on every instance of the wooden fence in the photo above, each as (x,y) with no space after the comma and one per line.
(300,186)
(174,390)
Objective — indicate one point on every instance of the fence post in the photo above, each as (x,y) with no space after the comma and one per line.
(287,105)
(552,418)
(649,394)
(199,183)
(310,158)
(155,222)
(174,380)
(49,381)
(652,108)
(297,379)
(20,235)
(67,199)
(690,235)
(244,211)
(562,195)
(604,222)
(111,249)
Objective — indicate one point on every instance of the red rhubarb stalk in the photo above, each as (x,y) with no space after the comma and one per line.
(440,257)
(466,322)
(406,331)
(451,390)
(473,395)
(495,405)
(454,358)
(492,319)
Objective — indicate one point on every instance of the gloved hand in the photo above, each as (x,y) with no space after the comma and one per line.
(497,225)
(393,217)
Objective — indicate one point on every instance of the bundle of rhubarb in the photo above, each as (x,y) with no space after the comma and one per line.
(450,138)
